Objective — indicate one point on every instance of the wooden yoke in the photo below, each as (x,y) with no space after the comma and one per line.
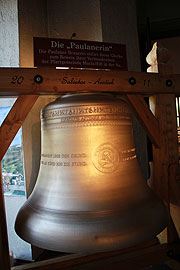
(166,158)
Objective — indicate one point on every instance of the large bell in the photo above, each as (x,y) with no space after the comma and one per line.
(90,194)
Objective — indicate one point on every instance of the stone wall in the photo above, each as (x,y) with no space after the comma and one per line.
(9,37)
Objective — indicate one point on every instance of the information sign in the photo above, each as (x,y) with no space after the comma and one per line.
(79,54)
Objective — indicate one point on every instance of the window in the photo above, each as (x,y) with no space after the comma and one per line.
(13,185)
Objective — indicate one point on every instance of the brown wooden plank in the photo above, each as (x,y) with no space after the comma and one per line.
(14,120)
(165,111)
(168,154)
(16,81)
(147,119)
(83,258)
(4,247)
(165,157)
(122,259)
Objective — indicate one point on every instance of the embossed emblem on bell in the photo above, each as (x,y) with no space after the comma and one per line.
(90,194)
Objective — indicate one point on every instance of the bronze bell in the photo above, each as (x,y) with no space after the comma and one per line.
(90,194)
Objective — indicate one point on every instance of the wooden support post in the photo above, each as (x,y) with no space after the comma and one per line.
(14,121)
(164,109)
(147,119)
(4,247)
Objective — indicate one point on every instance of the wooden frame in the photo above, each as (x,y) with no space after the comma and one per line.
(45,81)
(29,83)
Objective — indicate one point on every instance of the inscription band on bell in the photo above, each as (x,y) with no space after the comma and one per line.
(79,110)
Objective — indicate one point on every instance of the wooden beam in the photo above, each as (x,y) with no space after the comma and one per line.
(146,117)
(4,247)
(14,120)
(130,258)
(17,81)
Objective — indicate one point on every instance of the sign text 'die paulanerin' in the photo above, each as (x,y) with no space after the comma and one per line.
(79,54)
